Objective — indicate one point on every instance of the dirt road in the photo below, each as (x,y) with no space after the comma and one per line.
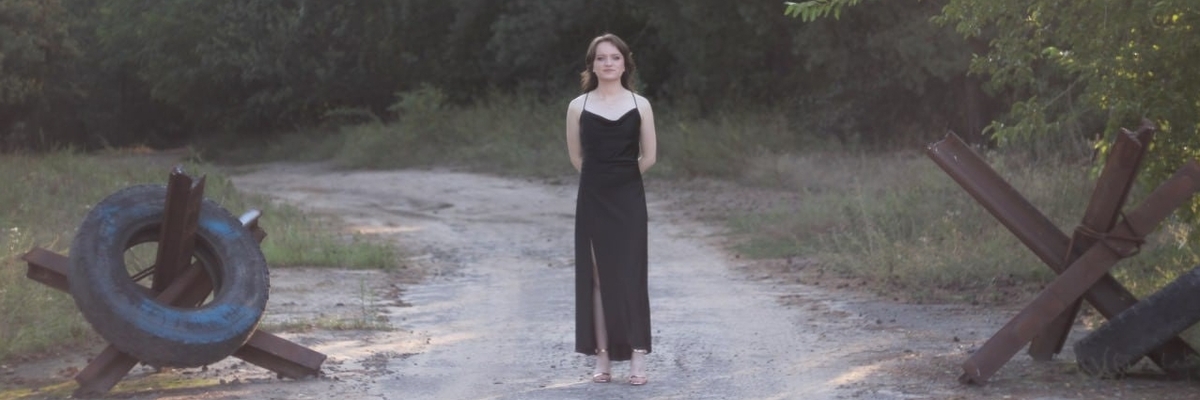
(494,318)
(499,322)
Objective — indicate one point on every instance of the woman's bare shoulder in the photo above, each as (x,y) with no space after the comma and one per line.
(643,103)
(642,100)
(576,103)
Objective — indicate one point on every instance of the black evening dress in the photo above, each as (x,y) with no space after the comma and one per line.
(610,224)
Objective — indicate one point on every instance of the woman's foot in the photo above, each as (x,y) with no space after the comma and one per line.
(637,368)
(602,372)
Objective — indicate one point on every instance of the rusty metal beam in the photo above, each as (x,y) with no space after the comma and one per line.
(1108,197)
(48,268)
(1108,296)
(281,356)
(250,221)
(176,239)
(103,372)
(1000,199)
(1117,178)
(194,286)
(1121,242)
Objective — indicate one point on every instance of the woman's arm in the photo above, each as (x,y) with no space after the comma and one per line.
(573,148)
(649,142)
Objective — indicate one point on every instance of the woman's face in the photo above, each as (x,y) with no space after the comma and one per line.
(609,63)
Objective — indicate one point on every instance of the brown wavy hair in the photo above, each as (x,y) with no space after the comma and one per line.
(587,79)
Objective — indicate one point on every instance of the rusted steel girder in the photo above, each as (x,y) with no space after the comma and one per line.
(1122,241)
(1108,197)
(1000,199)
(281,356)
(1038,233)
(48,268)
(176,236)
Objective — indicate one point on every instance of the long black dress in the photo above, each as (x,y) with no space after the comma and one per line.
(610,220)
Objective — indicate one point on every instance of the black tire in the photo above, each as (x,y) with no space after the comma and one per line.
(128,316)
(1115,346)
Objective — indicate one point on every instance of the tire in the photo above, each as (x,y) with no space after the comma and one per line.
(128,316)
(1115,346)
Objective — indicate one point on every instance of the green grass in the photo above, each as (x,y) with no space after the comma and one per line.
(46,196)
(524,135)
(900,222)
(511,135)
(518,135)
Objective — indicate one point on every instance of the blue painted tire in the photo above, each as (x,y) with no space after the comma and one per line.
(128,316)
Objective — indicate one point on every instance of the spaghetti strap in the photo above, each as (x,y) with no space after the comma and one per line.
(631,94)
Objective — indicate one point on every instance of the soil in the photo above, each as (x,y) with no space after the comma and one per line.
(483,309)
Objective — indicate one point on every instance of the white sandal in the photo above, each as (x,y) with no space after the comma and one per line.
(601,377)
(637,380)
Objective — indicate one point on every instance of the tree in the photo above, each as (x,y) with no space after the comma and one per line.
(1078,68)
(1121,60)
(813,10)
(261,66)
(169,72)
(888,75)
(36,54)
(719,53)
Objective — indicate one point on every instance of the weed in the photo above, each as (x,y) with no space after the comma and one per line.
(898,221)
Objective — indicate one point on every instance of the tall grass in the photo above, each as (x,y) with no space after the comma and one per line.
(296,238)
(45,197)
(504,134)
(523,135)
(519,135)
(900,222)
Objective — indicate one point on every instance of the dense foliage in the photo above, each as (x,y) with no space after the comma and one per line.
(1093,66)
(171,72)
(1081,68)
(37,55)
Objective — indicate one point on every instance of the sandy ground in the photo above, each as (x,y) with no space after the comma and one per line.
(493,316)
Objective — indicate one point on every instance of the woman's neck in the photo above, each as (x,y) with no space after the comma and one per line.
(610,89)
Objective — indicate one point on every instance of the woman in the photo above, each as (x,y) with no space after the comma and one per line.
(610,138)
